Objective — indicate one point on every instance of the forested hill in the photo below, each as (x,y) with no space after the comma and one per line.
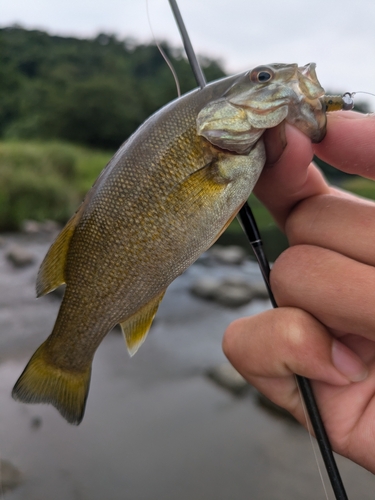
(91,91)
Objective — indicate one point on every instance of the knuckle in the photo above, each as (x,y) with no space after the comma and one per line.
(287,268)
(292,274)
(294,225)
(297,328)
(229,338)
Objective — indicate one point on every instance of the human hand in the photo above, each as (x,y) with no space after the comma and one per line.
(324,284)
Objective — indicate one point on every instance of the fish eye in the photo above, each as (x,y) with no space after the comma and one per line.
(261,75)
(264,76)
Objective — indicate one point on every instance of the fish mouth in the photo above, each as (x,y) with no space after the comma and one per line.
(309,115)
(237,119)
(309,83)
(301,79)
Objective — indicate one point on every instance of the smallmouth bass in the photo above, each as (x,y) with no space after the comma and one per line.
(164,198)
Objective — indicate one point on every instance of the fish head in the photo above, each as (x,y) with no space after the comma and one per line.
(263,98)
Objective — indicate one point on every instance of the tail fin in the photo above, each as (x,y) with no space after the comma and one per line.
(43,382)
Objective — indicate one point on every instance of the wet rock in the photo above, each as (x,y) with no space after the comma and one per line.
(230,255)
(50,226)
(34,227)
(2,241)
(234,292)
(36,423)
(230,292)
(30,227)
(206,287)
(228,377)
(273,408)
(206,260)
(259,290)
(19,256)
(10,476)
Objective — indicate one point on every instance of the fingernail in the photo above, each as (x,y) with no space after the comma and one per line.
(350,115)
(348,363)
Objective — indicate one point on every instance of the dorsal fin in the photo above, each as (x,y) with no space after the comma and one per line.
(52,270)
(136,328)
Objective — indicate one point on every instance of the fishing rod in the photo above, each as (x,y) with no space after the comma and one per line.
(250,228)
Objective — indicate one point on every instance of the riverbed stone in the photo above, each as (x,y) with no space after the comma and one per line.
(206,287)
(230,255)
(190,410)
(234,292)
(20,256)
(273,408)
(35,227)
(10,476)
(260,290)
(228,377)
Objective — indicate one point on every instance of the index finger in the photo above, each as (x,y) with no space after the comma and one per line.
(291,179)
(349,144)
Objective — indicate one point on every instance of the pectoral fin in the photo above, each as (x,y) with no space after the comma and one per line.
(135,328)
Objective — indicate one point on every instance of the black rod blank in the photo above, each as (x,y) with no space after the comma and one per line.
(250,228)
(193,61)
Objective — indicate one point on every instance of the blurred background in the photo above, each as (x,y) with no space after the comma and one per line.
(76,79)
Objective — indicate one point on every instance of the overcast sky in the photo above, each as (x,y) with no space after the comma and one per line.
(338,35)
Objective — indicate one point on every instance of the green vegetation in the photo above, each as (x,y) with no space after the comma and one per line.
(94,92)
(360,186)
(44,181)
(67,104)
(59,96)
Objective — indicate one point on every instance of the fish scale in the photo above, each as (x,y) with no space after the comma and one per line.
(163,199)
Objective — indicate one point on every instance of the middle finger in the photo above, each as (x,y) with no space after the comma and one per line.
(339,222)
(335,289)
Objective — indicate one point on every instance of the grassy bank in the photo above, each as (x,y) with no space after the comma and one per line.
(44,180)
(48,180)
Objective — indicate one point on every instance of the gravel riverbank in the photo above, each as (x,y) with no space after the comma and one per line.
(156,426)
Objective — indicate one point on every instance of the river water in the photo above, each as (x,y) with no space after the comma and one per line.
(156,427)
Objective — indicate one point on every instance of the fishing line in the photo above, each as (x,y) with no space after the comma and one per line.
(351,94)
(1,480)
(193,61)
(309,431)
(164,55)
(251,230)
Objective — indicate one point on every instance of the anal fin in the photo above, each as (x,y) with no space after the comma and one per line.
(136,328)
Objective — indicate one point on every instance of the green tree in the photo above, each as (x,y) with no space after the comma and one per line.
(95,91)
